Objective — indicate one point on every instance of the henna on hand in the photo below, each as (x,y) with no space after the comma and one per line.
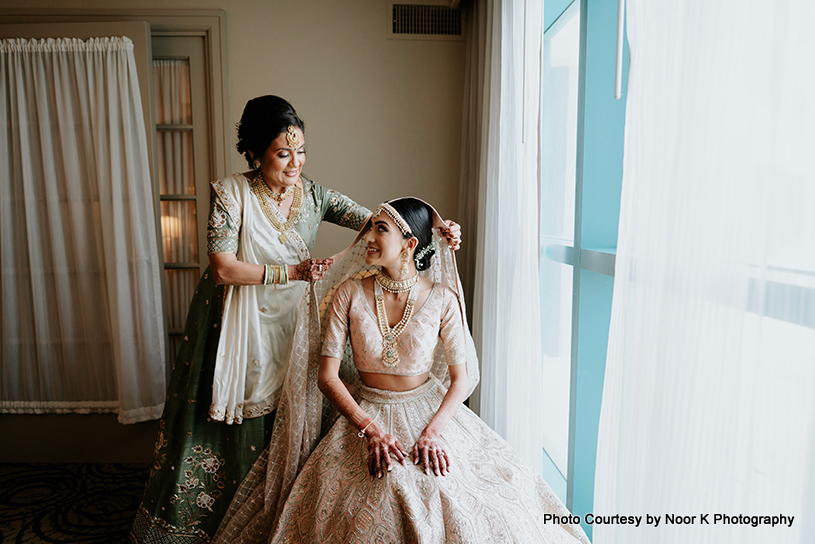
(430,452)
(337,393)
(310,270)
(381,446)
(453,234)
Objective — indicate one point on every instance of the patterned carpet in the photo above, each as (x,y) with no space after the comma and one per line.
(76,503)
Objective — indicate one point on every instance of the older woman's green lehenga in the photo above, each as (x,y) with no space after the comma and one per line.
(198,463)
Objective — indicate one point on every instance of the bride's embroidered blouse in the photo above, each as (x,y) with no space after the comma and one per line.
(438,318)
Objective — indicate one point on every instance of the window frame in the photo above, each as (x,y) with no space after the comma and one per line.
(598,185)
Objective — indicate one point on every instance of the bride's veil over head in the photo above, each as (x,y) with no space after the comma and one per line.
(303,413)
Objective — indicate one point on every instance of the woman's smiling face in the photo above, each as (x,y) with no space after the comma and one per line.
(281,164)
(385,242)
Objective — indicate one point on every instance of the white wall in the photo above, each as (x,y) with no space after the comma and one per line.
(383,117)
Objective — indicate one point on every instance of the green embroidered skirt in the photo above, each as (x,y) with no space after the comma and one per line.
(197,463)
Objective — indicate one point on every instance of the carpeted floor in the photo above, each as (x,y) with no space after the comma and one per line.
(62,503)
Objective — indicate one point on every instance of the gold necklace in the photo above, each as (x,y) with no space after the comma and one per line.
(277,197)
(390,355)
(263,193)
(395,286)
(280,197)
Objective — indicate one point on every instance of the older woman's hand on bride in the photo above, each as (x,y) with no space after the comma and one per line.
(310,269)
(381,446)
(453,234)
(429,451)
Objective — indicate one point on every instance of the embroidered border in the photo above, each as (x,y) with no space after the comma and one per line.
(228,202)
(223,244)
(147,528)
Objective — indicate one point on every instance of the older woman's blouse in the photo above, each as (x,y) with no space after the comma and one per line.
(319,204)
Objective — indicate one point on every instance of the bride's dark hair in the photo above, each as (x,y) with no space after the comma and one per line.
(420,218)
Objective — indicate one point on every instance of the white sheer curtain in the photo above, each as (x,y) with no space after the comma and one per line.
(709,399)
(176,176)
(171,91)
(82,323)
(500,181)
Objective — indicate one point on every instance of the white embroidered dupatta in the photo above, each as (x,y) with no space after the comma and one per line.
(258,320)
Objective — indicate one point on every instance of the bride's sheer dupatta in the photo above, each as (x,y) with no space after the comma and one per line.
(303,413)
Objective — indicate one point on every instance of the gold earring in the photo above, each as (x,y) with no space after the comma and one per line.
(256,164)
(404,269)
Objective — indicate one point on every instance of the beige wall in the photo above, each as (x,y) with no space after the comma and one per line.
(383,117)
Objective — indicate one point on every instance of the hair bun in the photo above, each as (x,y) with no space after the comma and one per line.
(422,257)
(419,219)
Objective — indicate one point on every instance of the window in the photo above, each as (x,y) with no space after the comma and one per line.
(561,53)
(182,171)
(581,175)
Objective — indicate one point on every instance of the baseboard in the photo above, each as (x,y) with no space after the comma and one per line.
(74,438)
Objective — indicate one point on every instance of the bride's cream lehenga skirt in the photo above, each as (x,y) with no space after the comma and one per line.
(489,495)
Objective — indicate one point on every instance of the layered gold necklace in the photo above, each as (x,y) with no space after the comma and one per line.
(395,286)
(266,196)
(390,354)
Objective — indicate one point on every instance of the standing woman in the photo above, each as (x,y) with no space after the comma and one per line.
(226,382)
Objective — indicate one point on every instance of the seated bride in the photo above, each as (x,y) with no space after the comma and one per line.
(408,462)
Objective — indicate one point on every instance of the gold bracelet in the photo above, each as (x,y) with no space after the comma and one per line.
(361,432)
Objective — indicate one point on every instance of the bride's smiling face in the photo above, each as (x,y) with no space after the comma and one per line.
(385,242)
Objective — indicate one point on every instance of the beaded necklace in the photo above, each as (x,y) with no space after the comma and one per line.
(280,197)
(390,355)
(395,286)
(277,197)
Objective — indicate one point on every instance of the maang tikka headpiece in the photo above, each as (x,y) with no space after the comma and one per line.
(292,138)
(398,219)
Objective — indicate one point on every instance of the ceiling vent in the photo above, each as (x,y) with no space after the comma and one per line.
(425,22)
